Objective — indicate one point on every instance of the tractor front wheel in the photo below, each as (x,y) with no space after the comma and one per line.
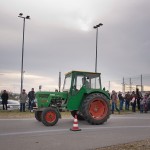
(50,116)
(96,109)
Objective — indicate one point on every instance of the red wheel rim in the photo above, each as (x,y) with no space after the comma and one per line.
(98,109)
(50,116)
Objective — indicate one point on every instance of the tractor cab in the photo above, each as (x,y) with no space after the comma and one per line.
(76,80)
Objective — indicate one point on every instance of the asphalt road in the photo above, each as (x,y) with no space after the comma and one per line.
(29,134)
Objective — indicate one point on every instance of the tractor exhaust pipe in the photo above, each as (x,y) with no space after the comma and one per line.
(59,82)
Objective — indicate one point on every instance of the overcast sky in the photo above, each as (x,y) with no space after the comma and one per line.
(60,37)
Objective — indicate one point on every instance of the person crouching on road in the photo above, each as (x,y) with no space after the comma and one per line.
(23,99)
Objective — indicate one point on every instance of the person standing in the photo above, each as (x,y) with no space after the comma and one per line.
(23,99)
(121,99)
(31,96)
(139,96)
(127,100)
(133,101)
(4,97)
(114,102)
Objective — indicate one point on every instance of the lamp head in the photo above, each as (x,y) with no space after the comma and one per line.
(27,17)
(100,24)
(20,14)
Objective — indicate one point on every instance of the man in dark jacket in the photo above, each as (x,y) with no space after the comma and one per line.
(4,97)
(139,97)
(31,96)
(127,100)
(121,99)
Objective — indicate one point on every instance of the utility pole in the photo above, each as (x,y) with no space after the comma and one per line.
(141,84)
(130,85)
(96,27)
(109,86)
(123,86)
(22,71)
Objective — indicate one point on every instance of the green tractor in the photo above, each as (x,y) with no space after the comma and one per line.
(82,95)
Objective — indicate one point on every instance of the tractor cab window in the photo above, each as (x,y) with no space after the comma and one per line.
(95,83)
(67,83)
(79,82)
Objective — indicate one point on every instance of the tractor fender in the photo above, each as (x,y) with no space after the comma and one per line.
(98,91)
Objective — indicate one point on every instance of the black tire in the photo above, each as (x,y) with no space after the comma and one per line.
(79,116)
(50,116)
(38,115)
(96,109)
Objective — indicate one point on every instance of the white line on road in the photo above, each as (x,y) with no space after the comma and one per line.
(60,130)
(124,117)
(29,119)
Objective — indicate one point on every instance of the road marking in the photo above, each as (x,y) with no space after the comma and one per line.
(61,130)
(29,119)
(131,117)
(18,119)
(31,132)
(111,117)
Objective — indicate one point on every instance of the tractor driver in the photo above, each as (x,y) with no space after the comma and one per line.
(85,82)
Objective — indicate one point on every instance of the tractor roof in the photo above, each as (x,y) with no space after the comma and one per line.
(82,73)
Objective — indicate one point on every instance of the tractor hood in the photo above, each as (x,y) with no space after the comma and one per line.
(44,98)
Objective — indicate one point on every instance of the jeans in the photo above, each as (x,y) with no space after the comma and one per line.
(4,106)
(138,103)
(29,107)
(127,105)
(141,108)
(133,107)
(22,107)
(113,107)
(121,104)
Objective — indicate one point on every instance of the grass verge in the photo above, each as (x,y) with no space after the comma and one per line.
(6,114)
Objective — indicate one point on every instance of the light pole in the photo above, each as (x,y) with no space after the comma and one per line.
(96,27)
(24,18)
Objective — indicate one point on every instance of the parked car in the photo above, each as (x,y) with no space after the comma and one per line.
(12,105)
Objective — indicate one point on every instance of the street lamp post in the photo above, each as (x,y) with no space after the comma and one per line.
(24,18)
(96,27)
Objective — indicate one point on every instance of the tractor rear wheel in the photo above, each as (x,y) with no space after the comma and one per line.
(38,115)
(79,116)
(50,116)
(96,109)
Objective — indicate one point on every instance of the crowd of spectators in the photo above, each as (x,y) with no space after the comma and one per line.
(24,98)
(134,101)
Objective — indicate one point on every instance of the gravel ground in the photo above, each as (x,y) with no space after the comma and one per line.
(138,145)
